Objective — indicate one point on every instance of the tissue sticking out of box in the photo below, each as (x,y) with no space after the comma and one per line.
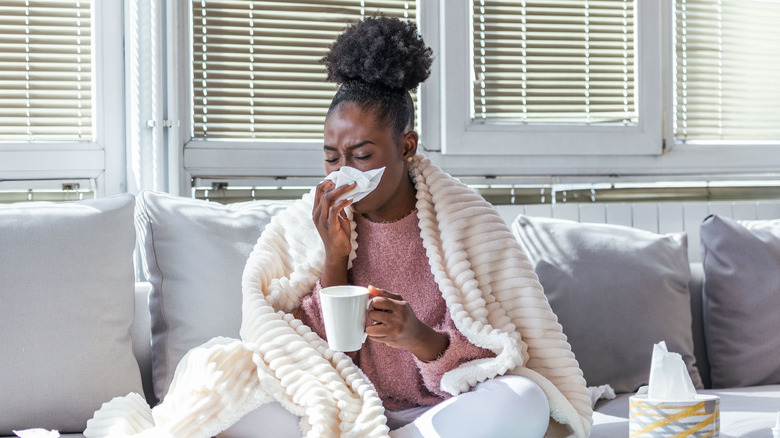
(669,378)
(365,182)
(37,433)
(670,406)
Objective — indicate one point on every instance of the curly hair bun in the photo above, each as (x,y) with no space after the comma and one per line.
(380,51)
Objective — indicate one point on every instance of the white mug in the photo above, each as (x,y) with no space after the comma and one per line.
(344,313)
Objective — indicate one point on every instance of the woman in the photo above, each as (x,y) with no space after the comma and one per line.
(463,342)
(370,125)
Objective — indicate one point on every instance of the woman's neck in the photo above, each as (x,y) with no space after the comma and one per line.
(400,205)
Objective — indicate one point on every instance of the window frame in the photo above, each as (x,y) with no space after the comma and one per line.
(232,158)
(103,159)
(220,160)
(460,134)
(688,160)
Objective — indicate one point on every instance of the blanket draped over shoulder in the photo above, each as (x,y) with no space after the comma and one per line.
(491,291)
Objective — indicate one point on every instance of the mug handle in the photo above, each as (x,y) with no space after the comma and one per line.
(368,306)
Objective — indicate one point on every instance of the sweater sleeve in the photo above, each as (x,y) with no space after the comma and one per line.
(459,351)
(311,312)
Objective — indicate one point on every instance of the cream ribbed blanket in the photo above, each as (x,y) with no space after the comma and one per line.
(490,288)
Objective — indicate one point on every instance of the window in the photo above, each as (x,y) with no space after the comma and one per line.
(259,95)
(61,93)
(551,78)
(553,62)
(47,72)
(547,91)
(649,151)
(727,65)
(256,70)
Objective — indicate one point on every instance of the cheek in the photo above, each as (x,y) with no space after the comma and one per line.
(391,179)
(330,168)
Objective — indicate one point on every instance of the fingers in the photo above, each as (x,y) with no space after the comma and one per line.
(377,332)
(326,202)
(387,309)
(376,292)
(327,189)
(390,322)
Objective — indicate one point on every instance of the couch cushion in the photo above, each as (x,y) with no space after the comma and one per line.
(67,294)
(194,254)
(741,262)
(699,345)
(141,331)
(616,292)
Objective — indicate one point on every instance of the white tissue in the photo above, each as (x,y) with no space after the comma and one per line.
(37,433)
(669,379)
(366,181)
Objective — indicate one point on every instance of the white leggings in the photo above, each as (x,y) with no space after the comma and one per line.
(507,406)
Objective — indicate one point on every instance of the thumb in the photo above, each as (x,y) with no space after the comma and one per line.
(376,292)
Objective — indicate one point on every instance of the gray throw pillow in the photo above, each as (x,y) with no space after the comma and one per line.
(616,291)
(193,254)
(67,296)
(741,262)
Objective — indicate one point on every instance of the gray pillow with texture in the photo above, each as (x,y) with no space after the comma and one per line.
(741,262)
(193,254)
(67,295)
(616,291)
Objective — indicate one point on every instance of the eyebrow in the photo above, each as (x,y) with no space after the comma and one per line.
(349,148)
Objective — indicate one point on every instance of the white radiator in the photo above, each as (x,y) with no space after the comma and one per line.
(661,217)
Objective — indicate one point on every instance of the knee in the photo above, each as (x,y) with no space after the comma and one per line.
(509,406)
(521,405)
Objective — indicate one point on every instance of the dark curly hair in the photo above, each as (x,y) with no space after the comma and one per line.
(378,61)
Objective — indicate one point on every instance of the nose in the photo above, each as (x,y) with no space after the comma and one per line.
(342,162)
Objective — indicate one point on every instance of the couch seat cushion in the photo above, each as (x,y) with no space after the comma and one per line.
(744,412)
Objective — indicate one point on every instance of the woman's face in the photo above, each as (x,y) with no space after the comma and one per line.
(354,139)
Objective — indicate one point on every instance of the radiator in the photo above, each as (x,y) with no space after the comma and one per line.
(661,217)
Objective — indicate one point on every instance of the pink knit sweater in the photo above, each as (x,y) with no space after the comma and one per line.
(391,256)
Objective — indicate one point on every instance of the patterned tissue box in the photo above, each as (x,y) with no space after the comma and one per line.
(656,419)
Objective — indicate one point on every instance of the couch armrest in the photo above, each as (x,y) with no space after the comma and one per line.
(141,331)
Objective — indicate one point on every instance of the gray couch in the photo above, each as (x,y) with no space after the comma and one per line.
(81,330)
(744,412)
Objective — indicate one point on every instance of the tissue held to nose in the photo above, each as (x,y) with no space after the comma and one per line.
(365,182)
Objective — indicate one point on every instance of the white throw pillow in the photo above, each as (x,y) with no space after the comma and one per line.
(67,295)
(194,254)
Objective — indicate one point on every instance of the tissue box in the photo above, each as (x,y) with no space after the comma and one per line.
(695,418)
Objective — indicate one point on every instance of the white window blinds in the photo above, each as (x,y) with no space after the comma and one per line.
(46,74)
(256,64)
(563,61)
(727,67)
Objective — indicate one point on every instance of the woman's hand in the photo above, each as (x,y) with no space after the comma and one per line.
(396,325)
(334,229)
